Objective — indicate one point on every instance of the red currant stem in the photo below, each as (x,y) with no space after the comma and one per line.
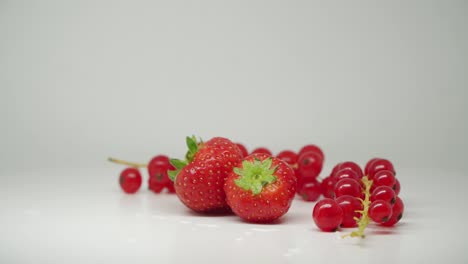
(128,163)
(365,219)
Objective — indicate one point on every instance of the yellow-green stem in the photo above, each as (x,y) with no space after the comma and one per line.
(128,163)
(364,220)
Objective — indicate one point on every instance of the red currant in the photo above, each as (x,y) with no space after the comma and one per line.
(346,173)
(378,165)
(349,205)
(384,178)
(348,187)
(383,193)
(288,156)
(130,180)
(368,164)
(353,166)
(397,187)
(310,189)
(327,215)
(380,211)
(170,188)
(335,170)
(310,164)
(262,150)
(157,170)
(312,148)
(328,187)
(243,149)
(397,213)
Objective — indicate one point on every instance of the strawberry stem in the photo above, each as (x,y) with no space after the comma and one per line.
(254,175)
(128,163)
(364,220)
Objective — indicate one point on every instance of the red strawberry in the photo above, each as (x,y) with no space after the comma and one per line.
(199,179)
(260,188)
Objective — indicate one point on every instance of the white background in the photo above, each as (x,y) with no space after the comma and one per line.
(82,80)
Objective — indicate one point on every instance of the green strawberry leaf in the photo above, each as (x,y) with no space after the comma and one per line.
(192,144)
(172,174)
(177,163)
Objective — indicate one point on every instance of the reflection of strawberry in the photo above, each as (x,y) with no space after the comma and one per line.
(261,188)
(199,180)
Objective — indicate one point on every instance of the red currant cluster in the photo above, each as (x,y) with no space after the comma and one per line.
(354,198)
(130,178)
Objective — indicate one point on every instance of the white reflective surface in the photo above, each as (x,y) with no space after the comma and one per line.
(76,216)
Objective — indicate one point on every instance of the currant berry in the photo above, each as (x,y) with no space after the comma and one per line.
(397,213)
(158,180)
(310,164)
(327,215)
(380,211)
(383,193)
(335,169)
(158,176)
(368,165)
(130,180)
(243,149)
(346,173)
(348,187)
(349,205)
(353,166)
(288,156)
(328,187)
(384,178)
(397,187)
(312,148)
(262,150)
(378,165)
(310,190)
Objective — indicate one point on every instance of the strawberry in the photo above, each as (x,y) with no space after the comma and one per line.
(260,188)
(199,180)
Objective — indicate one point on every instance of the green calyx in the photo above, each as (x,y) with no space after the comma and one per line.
(255,175)
(193,146)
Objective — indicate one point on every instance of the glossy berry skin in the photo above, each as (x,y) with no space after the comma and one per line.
(368,165)
(268,203)
(383,193)
(130,180)
(327,215)
(348,187)
(349,205)
(397,213)
(397,187)
(158,177)
(352,166)
(242,149)
(335,169)
(288,156)
(378,165)
(346,173)
(262,150)
(310,165)
(310,190)
(384,178)
(380,211)
(328,187)
(312,148)
(199,185)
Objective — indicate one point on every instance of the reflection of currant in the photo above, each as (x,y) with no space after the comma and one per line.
(158,167)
